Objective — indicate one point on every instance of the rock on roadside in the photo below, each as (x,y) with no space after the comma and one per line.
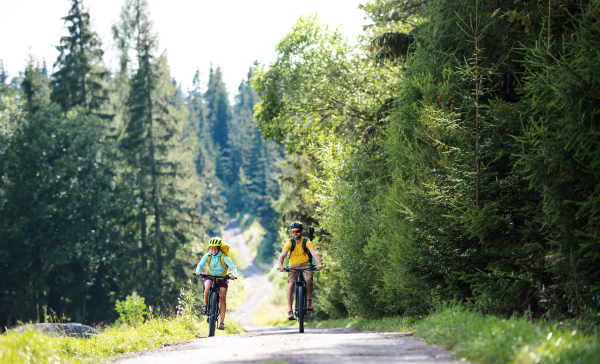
(70,330)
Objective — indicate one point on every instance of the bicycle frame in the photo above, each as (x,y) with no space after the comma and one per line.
(300,299)
(212,308)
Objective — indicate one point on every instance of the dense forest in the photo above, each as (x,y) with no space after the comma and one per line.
(112,181)
(450,155)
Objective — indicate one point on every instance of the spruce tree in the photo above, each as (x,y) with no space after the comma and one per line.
(35,85)
(165,219)
(212,207)
(80,78)
(219,124)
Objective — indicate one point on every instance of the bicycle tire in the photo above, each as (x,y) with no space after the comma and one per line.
(300,301)
(213,316)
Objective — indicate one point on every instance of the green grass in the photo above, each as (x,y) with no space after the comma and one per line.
(237,259)
(35,347)
(254,235)
(387,324)
(490,339)
(152,334)
(274,311)
(155,332)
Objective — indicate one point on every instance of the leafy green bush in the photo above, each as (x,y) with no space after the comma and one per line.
(132,310)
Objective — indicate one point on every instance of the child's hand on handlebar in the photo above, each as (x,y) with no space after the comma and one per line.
(319,267)
(281,268)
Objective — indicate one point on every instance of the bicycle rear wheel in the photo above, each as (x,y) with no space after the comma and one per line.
(300,304)
(213,315)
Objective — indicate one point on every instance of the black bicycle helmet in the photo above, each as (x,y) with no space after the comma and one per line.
(297,225)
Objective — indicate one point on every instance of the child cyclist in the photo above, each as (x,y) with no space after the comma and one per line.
(215,259)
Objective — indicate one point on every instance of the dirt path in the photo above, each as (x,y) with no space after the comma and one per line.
(286,345)
(256,284)
(318,346)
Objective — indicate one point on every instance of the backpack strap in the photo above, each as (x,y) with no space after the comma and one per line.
(304,245)
(310,257)
(222,264)
(306,251)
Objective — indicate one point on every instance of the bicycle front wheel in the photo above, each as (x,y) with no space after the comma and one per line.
(300,302)
(213,316)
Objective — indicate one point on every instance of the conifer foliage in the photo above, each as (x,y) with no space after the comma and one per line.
(469,173)
(112,185)
(81,76)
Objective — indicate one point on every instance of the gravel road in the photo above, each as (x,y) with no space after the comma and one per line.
(286,345)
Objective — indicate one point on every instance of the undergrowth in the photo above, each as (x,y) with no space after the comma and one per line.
(125,336)
(495,340)
(386,324)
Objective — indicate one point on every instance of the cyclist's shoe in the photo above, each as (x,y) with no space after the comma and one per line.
(203,310)
(222,326)
(290,315)
(311,305)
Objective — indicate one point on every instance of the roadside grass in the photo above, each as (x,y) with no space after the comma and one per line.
(494,340)
(157,331)
(254,235)
(386,324)
(154,333)
(236,294)
(274,311)
(237,259)
(33,347)
(490,339)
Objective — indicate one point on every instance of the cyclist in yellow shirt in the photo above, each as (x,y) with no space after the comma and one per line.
(299,259)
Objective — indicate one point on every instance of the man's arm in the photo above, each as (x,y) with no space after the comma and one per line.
(281,258)
(315,256)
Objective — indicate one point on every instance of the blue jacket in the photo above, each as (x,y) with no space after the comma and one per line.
(215,264)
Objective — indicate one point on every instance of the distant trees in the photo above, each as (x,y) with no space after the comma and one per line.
(110,185)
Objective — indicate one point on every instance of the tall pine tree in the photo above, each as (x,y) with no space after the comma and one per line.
(164,219)
(81,76)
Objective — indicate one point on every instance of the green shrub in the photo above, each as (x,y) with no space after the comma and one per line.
(132,310)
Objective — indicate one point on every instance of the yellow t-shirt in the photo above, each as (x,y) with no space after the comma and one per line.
(298,256)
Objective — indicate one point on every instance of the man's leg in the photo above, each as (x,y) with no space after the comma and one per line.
(290,297)
(309,288)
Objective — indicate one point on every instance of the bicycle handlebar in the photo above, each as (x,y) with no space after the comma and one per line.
(211,276)
(312,267)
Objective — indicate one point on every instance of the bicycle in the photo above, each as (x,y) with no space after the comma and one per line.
(212,310)
(300,307)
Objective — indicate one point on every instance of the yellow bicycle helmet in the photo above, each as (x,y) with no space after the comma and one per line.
(215,242)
